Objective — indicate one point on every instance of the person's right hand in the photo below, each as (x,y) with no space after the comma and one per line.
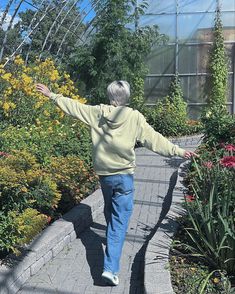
(43,89)
(189,154)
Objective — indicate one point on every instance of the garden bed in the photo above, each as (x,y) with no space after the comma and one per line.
(192,274)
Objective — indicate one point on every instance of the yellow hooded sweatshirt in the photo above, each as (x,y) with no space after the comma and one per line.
(114,132)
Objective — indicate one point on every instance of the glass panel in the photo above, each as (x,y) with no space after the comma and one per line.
(198,5)
(230,88)
(161,60)
(166,24)
(194,111)
(193,59)
(230,50)
(228,19)
(195,27)
(193,88)
(227,5)
(156,87)
(230,108)
(160,6)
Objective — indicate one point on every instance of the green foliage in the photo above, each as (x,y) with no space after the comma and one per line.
(210,222)
(28,224)
(212,227)
(115,52)
(18,229)
(8,233)
(216,87)
(14,38)
(74,180)
(191,275)
(219,126)
(137,100)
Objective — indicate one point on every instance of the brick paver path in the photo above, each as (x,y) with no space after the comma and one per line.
(77,269)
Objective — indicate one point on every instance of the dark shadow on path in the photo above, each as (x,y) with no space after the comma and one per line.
(92,242)
(137,269)
(94,252)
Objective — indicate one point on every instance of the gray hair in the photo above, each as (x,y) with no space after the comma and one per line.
(118,93)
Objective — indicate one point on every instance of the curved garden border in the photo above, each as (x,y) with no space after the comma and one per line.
(49,243)
(157,278)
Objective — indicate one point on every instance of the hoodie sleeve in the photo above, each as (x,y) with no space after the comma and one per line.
(85,113)
(155,141)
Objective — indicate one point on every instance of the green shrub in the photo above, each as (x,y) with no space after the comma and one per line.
(216,86)
(168,116)
(219,126)
(74,180)
(18,229)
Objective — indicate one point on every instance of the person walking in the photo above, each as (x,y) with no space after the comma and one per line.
(115,129)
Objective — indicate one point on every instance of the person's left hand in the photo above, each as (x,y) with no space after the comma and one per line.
(189,154)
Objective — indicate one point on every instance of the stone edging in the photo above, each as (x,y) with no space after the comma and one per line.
(49,243)
(157,278)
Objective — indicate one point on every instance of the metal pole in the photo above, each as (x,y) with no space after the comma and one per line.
(177,39)
(233,85)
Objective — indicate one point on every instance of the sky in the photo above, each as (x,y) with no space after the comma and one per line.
(85,7)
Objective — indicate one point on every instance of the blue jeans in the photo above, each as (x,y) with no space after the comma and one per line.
(118,193)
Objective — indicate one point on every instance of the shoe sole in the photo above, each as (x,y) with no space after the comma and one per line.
(108,281)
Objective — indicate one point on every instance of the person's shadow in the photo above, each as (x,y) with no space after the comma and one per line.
(92,242)
(92,238)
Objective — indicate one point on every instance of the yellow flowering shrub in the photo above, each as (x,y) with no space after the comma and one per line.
(20,103)
(45,157)
(24,184)
(28,224)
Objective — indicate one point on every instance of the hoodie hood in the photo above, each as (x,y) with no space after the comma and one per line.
(115,116)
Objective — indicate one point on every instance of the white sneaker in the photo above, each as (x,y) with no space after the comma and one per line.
(110,279)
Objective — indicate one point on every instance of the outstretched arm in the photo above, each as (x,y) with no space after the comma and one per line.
(83,112)
(158,143)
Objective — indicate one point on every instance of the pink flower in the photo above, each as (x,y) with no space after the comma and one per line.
(48,219)
(189,198)
(3,154)
(229,147)
(228,161)
(208,164)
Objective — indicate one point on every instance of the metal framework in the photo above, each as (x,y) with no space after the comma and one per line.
(78,28)
(177,43)
(35,23)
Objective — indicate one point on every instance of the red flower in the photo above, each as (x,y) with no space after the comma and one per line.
(228,161)
(189,198)
(208,164)
(229,147)
(222,145)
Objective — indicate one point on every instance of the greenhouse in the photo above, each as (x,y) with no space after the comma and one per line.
(117,146)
